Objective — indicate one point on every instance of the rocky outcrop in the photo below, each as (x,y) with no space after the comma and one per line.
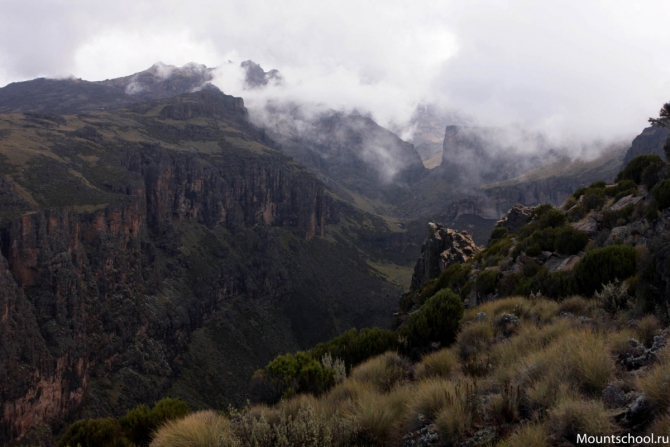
(515,218)
(650,141)
(442,248)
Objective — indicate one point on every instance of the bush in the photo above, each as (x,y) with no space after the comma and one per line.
(594,199)
(604,265)
(456,276)
(661,194)
(570,241)
(625,186)
(497,234)
(613,297)
(486,282)
(437,321)
(650,175)
(577,213)
(291,374)
(617,218)
(634,169)
(354,347)
(95,433)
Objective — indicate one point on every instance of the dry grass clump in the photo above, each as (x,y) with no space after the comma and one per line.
(656,385)
(495,308)
(442,363)
(382,372)
(528,435)
(454,420)
(573,416)
(661,425)
(431,396)
(646,328)
(474,339)
(579,306)
(544,310)
(618,341)
(379,416)
(201,429)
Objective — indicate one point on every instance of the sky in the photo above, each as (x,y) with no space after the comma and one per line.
(574,70)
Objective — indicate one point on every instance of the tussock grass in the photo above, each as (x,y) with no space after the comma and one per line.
(382,372)
(544,310)
(578,306)
(495,308)
(442,363)
(454,420)
(535,435)
(431,396)
(474,339)
(661,425)
(656,385)
(379,416)
(573,416)
(647,327)
(201,429)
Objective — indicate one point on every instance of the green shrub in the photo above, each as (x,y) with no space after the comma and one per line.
(355,347)
(598,184)
(594,199)
(291,374)
(661,193)
(139,423)
(634,169)
(623,185)
(602,266)
(650,175)
(576,214)
(436,321)
(570,241)
(486,282)
(456,276)
(617,218)
(496,234)
(94,433)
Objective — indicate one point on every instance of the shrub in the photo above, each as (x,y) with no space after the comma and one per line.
(456,276)
(570,241)
(594,199)
(603,265)
(95,433)
(617,218)
(625,187)
(613,297)
(573,416)
(576,214)
(486,282)
(661,194)
(437,321)
(354,347)
(497,234)
(201,429)
(650,175)
(634,169)
(569,203)
(289,374)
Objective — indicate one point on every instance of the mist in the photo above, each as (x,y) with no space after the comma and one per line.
(580,74)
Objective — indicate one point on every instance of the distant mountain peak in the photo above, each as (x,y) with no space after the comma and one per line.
(257,78)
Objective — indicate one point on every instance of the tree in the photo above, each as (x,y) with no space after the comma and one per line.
(663,120)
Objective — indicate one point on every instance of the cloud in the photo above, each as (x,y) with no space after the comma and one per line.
(576,71)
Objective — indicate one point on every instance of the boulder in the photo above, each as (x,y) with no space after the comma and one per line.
(443,248)
(515,218)
(625,201)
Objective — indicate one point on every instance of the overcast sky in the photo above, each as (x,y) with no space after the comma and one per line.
(579,70)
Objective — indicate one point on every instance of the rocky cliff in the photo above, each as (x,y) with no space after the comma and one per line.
(141,244)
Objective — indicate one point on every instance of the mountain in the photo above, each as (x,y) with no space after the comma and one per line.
(70,96)
(167,247)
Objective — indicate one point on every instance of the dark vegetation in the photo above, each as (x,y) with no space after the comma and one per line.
(135,428)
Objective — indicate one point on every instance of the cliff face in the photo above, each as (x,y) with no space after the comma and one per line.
(183,230)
